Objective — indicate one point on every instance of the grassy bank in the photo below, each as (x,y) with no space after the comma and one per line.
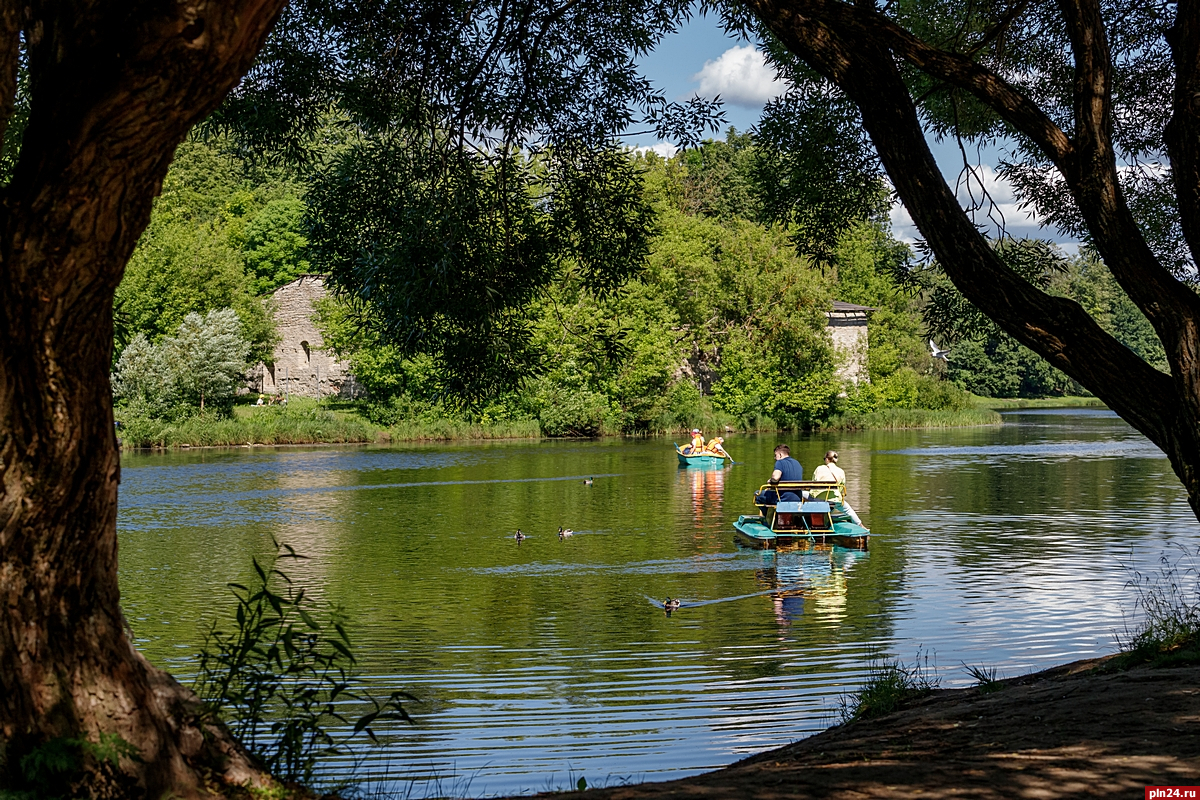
(306,422)
(889,419)
(303,422)
(250,426)
(450,430)
(1004,403)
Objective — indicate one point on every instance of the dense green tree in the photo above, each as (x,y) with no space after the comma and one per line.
(222,235)
(140,377)
(275,251)
(203,362)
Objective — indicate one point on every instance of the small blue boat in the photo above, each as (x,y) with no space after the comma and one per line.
(702,460)
(808,520)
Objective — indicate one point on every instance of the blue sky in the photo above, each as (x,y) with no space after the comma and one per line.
(701,59)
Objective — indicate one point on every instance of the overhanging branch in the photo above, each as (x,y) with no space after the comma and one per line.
(1056,328)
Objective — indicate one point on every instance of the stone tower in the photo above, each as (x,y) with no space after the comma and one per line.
(847,328)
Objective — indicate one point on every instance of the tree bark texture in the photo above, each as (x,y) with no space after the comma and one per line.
(859,49)
(114,86)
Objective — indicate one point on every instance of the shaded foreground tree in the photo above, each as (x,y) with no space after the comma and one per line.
(112,90)
(457,114)
(1099,102)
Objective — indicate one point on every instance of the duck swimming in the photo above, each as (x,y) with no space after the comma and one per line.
(670,604)
(562,534)
(588,481)
(520,537)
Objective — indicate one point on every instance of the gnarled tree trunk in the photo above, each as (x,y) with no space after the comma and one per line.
(114,88)
(858,48)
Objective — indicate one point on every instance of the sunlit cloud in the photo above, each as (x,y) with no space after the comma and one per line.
(740,76)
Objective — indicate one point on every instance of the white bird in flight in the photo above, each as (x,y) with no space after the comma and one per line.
(944,355)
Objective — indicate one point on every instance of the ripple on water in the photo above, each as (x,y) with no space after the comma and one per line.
(533,664)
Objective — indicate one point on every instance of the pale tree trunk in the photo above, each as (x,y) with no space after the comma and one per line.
(115,87)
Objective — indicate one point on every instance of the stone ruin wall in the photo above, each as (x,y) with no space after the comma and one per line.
(848,331)
(302,367)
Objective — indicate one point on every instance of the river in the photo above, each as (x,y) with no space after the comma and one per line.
(537,663)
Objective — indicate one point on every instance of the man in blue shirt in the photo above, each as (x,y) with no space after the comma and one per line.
(787,469)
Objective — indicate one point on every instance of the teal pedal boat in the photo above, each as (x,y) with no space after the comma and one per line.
(815,518)
(702,460)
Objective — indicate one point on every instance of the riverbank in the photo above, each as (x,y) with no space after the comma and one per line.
(1071,731)
(1007,403)
(309,423)
(891,419)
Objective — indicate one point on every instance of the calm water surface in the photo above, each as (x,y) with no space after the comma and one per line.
(1004,547)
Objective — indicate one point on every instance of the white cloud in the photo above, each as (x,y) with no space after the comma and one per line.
(664,149)
(903,227)
(741,76)
(1003,208)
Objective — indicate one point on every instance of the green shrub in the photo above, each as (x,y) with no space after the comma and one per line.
(283,677)
(905,388)
(574,413)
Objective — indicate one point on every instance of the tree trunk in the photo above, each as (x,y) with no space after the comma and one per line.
(858,48)
(113,93)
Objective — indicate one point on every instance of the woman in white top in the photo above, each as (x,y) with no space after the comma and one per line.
(830,472)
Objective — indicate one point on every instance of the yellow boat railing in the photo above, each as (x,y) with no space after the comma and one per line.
(817,490)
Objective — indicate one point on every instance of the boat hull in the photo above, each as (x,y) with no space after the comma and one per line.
(751,529)
(706,461)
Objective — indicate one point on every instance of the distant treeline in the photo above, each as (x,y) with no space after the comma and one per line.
(725,326)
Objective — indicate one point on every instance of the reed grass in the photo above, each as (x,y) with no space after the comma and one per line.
(1164,628)
(1003,403)
(889,686)
(265,426)
(900,418)
(450,430)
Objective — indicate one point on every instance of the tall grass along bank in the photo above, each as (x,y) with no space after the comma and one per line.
(1003,403)
(316,425)
(898,418)
(263,426)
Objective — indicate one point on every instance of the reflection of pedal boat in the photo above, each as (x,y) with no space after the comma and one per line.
(817,519)
(705,459)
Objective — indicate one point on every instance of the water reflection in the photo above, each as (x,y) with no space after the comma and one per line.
(1008,547)
(706,488)
(809,573)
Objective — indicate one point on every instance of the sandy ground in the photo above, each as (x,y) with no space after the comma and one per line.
(1066,732)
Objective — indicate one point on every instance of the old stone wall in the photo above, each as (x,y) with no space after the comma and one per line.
(847,327)
(302,367)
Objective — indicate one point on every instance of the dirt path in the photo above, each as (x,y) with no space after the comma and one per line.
(1067,732)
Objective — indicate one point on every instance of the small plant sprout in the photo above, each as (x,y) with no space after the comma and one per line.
(986,678)
(889,686)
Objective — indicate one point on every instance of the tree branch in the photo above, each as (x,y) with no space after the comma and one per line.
(1056,328)
(997,93)
(10,53)
(1183,131)
(1088,163)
